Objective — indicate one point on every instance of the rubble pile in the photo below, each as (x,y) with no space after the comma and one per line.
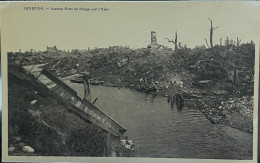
(236,112)
(239,112)
(19,148)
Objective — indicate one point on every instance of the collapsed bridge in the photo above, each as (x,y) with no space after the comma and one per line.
(79,106)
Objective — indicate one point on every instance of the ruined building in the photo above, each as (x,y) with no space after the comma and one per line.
(153,38)
(154,44)
(52,49)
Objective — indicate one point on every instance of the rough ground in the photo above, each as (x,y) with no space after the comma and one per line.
(202,72)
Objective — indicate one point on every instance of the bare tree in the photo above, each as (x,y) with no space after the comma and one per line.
(238,41)
(220,42)
(207,43)
(227,42)
(180,46)
(175,42)
(211,34)
(169,40)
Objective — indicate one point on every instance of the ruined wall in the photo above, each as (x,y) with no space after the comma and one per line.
(52,49)
(153,38)
(154,44)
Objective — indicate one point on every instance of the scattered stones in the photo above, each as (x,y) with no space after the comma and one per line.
(33,102)
(130,142)
(127,146)
(123,142)
(235,112)
(28,149)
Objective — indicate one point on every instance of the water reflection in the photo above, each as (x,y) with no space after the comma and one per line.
(150,98)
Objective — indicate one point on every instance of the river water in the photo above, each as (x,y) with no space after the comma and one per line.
(159,131)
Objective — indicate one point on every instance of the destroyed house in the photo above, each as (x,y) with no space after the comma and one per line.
(154,44)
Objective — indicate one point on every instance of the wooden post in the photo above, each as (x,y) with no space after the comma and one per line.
(235,75)
(88,88)
(86,83)
(85,87)
(172,100)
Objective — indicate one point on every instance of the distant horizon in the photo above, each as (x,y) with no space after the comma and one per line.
(125,46)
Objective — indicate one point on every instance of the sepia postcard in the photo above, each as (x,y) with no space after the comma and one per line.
(130,81)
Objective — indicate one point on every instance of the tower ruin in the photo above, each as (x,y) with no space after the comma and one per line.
(153,38)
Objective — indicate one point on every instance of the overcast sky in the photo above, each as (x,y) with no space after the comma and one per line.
(127,24)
